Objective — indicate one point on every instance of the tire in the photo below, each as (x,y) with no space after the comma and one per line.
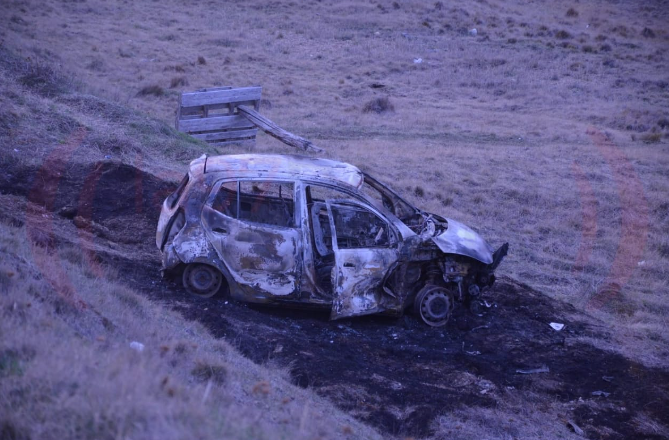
(434,305)
(202,281)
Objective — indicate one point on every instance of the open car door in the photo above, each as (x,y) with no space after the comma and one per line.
(365,247)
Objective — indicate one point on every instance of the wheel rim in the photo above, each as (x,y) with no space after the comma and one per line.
(202,280)
(435,307)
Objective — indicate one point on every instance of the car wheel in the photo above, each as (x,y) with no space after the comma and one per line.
(434,305)
(202,280)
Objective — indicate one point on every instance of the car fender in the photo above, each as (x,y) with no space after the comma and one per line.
(462,240)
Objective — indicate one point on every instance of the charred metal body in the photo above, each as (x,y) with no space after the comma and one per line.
(300,231)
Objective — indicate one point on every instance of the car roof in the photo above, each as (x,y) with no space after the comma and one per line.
(276,165)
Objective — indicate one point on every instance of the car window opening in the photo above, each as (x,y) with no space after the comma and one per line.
(265,202)
(357,228)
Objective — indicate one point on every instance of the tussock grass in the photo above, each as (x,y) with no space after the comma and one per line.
(379,105)
(492,128)
(154,90)
(366,44)
(68,368)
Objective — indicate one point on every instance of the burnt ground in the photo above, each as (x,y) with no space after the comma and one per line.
(395,374)
(398,374)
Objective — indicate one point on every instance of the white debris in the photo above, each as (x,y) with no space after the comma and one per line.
(556,326)
(417,60)
(137,346)
(641,263)
(473,32)
(575,427)
(206,391)
(600,393)
(542,369)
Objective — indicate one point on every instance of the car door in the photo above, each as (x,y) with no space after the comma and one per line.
(251,224)
(365,247)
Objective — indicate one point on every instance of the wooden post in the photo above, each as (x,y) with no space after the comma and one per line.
(274,130)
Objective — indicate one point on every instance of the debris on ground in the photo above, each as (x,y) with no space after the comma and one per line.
(556,326)
(542,369)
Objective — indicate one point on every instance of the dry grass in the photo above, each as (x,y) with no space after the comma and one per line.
(70,367)
(491,129)
(480,84)
(519,416)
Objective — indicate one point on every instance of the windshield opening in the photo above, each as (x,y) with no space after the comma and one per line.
(389,199)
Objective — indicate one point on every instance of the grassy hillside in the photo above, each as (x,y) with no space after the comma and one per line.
(547,127)
(82,355)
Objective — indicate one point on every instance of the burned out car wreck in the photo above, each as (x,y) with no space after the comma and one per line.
(301,231)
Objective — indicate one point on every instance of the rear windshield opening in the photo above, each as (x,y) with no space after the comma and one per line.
(174,197)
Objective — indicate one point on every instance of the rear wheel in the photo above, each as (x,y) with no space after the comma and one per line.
(202,280)
(434,305)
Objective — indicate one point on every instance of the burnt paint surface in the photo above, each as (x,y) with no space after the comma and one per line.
(264,258)
(358,277)
(265,263)
(460,239)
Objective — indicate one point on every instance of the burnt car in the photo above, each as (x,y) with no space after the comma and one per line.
(301,231)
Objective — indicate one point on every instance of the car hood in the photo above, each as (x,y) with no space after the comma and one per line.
(460,239)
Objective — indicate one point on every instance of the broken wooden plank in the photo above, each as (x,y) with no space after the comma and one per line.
(226,135)
(197,110)
(214,123)
(274,130)
(194,99)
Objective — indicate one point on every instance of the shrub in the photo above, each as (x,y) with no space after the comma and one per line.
(205,371)
(379,105)
(648,33)
(562,35)
(97,64)
(44,80)
(571,12)
(178,81)
(651,138)
(154,90)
